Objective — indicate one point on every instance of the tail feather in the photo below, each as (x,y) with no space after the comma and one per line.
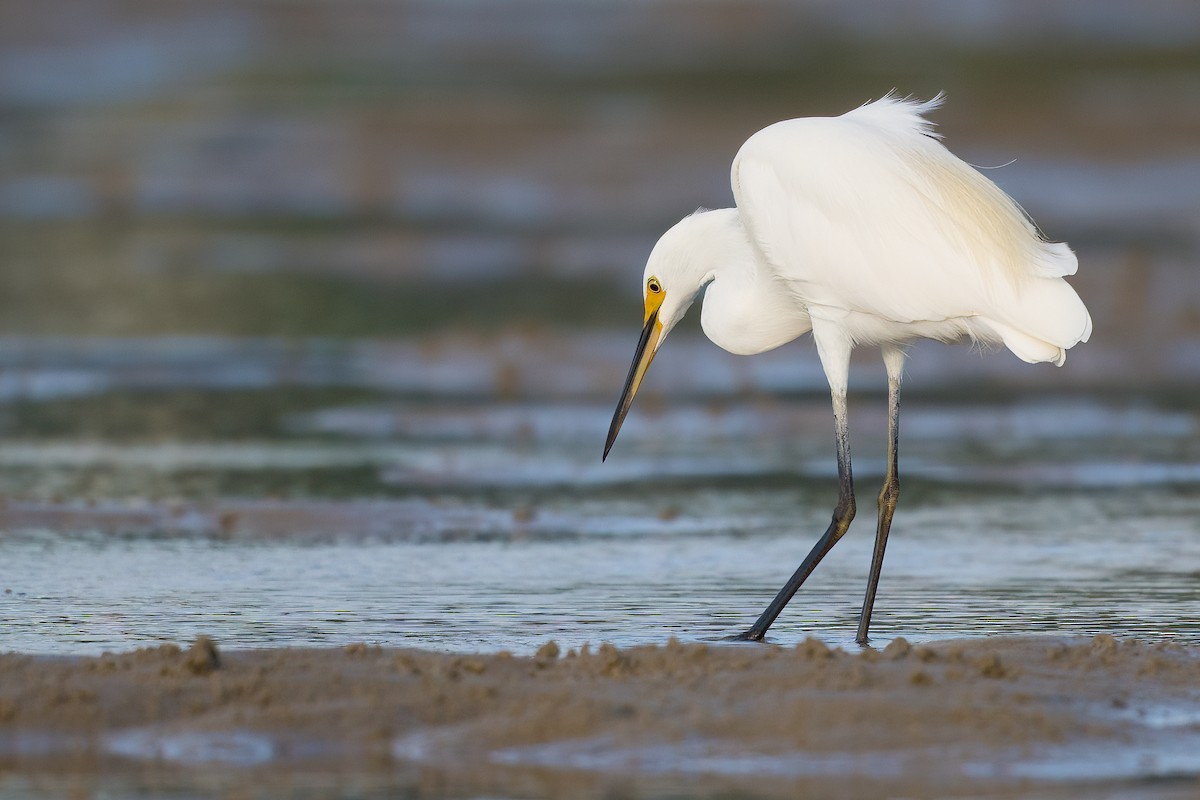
(1029,348)
(1049,320)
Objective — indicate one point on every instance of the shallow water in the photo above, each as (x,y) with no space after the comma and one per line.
(81,596)
(494,526)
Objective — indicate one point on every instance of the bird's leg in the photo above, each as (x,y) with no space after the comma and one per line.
(893,358)
(835,359)
(842,515)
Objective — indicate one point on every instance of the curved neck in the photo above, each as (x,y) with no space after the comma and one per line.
(746,308)
(728,252)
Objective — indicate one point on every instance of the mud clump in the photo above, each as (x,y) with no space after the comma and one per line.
(897,649)
(813,649)
(547,654)
(202,658)
(614,663)
(362,650)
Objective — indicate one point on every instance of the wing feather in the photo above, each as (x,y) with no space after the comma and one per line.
(869,212)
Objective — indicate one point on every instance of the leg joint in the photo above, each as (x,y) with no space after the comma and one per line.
(890,493)
(844,513)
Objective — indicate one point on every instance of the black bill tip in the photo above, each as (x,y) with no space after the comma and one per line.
(641,362)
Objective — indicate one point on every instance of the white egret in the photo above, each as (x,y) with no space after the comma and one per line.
(865,230)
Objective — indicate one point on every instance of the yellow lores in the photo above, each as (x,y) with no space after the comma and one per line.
(654,297)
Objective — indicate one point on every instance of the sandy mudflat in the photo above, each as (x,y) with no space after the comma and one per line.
(996,717)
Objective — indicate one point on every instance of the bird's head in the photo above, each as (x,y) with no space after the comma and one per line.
(678,268)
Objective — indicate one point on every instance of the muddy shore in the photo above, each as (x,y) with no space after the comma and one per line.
(992,717)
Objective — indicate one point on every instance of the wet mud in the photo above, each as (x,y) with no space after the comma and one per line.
(981,717)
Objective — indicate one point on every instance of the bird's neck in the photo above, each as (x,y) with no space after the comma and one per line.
(746,309)
(724,251)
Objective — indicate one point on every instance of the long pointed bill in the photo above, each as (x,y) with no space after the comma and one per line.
(647,345)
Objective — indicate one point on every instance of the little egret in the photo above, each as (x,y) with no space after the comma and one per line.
(865,230)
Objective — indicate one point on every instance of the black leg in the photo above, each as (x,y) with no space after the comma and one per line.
(842,516)
(887,505)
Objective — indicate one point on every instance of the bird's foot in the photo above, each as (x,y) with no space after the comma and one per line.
(745,636)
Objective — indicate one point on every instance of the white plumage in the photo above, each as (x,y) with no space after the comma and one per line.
(865,230)
(868,222)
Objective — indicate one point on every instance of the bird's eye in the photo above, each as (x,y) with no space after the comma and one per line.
(653,286)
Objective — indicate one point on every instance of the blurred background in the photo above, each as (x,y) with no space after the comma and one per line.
(284,276)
